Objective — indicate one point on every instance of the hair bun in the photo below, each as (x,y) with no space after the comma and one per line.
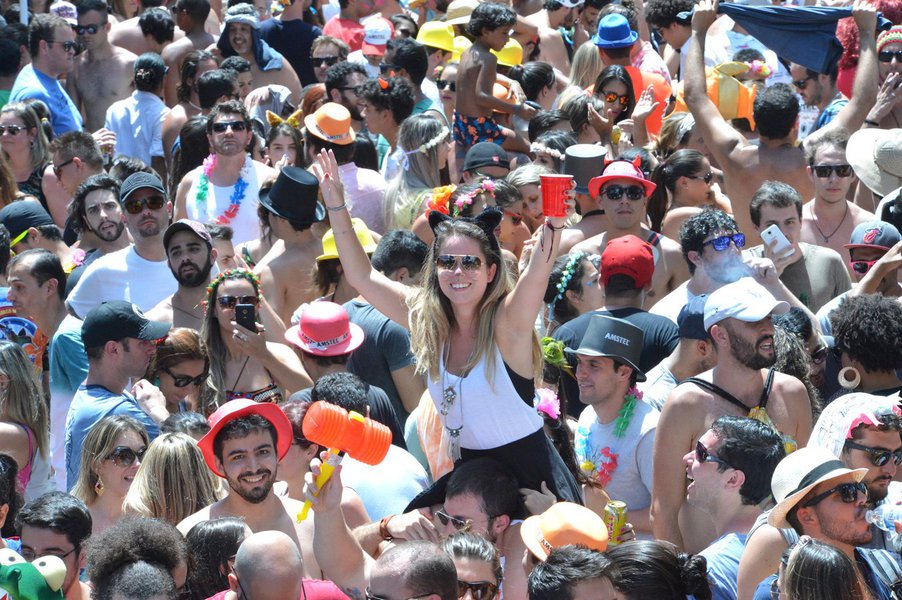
(694,575)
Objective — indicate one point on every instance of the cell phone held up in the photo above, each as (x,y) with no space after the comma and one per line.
(246,316)
(776,241)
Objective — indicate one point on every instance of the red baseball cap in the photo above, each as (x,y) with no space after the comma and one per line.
(628,255)
(243,407)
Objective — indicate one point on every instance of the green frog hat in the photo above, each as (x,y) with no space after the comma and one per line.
(23,580)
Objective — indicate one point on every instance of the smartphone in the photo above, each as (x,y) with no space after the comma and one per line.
(245,315)
(774,238)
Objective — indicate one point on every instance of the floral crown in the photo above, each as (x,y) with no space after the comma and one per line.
(426,146)
(441,197)
(536,147)
(567,274)
(760,68)
(232,274)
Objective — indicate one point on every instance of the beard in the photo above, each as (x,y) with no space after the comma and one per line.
(256,494)
(198,278)
(110,236)
(748,354)
(834,529)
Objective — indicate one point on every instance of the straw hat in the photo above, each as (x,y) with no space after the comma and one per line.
(876,157)
(459,11)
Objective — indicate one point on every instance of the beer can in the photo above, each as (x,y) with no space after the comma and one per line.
(615,519)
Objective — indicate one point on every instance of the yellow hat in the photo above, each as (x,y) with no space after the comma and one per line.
(511,55)
(733,99)
(459,11)
(363,236)
(437,35)
(461,45)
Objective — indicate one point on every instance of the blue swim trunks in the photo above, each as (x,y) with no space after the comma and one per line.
(472,130)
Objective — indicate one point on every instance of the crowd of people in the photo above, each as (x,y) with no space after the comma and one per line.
(467,300)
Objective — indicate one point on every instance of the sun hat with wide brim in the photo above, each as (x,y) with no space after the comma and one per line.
(563,524)
(876,157)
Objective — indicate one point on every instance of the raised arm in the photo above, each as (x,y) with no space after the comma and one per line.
(389,297)
(720,137)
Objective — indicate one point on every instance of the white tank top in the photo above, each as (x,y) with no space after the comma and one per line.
(245,224)
(492,414)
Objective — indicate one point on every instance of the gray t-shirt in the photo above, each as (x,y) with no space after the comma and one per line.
(817,278)
(658,385)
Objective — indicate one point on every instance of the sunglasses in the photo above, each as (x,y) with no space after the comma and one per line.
(67,46)
(123,456)
(134,206)
(516,218)
(862,266)
(802,83)
(185,380)
(886,56)
(879,456)
(89,29)
(352,88)
(458,524)
(222,126)
(11,129)
(441,84)
(820,355)
(450,262)
(611,98)
(848,493)
(707,177)
(371,596)
(324,60)
(480,590)
(231,301)
(57,169)
(722,242)
(387,68)
(702,455)
(823,171)
(615,192)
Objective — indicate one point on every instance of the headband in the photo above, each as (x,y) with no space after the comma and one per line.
(426,146)
(294,119)
(536,147)
(488,220)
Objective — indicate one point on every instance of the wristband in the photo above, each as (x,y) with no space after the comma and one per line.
(337,208)
(383,528)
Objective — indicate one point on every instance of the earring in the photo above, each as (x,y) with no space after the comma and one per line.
(845,381)
(98,487)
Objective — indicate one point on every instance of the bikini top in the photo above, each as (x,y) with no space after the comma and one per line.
(758,412)
(270,393)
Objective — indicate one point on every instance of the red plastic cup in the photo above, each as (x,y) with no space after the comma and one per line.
(554,188)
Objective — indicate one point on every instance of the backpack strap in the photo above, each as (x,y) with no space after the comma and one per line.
(719,391)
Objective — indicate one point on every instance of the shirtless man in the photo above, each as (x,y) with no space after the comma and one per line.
(624,203)
(133,36)
(777,157)
(555,14)
(190,16)
(244,446)
(192,66)
(285,270)
(829,218)
(103,73)
(738,320)
(241,37)
(190,254)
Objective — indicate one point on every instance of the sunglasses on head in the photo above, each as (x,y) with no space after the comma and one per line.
(615,192)
(823,171)
(123,456)
(479,590)
(134,206)
(707,177)
(848,493)
(886,56)
(450,262)
(231,301)
(702,455)
(185,380)
(89,29)
(879,456)
(237,126)
(862,266)
(12,129)
(444,83)
(458,524)
(722,242)
(324,60)
(611,98)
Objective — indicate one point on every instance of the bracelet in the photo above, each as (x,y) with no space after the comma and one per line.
(337,208)
(383,528)
(871,123)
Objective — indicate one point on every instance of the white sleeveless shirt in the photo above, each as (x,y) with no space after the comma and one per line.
(246,224)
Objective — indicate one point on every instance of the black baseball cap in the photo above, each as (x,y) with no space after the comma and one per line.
(19,217)
(116,320)
(139,180)
(486,154)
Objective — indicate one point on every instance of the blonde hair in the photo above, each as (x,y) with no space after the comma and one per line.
(432,316)
(404,196)
(99,443)
(173,481)
(586,66)
(23,401)
(41,146)
(669,138)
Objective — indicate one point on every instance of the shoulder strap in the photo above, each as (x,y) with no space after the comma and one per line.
(885,567)
(716,389)
(768,384)
(654,238)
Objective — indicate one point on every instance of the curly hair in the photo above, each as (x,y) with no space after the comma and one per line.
(867,329)
(397,96)
(661,13)
(696,228)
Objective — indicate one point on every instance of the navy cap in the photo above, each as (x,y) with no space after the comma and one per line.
(18,217)
(139,180)
(691,320)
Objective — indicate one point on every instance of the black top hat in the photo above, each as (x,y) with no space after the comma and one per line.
(613,338)
(584,161)
(294,197)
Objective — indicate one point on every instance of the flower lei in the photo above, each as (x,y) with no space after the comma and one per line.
(203,188)
(760,68)
(441,197)
(231,274)
(601,464)
(553,354)
(547,403)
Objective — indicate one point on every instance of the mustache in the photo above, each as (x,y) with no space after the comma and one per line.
(265,472)
(764,338)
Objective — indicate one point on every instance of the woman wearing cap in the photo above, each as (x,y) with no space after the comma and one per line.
(328,277)
(242,363)
(180,368)
(471,332)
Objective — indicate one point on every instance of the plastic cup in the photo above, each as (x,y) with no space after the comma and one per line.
(554,188)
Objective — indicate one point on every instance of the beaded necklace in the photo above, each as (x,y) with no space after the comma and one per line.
(601,464)
(203,188)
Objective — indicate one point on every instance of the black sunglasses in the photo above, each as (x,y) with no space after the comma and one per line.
(802,83)
(707,177)
(324,60)
(237,126)
(123,456)
(823,171)
(702,455)
(134,206)
(67,46)
(231,301)
(879,456)
(615,192)
(480,590)
(449,262)
(387,68)
(185,380)
(89,29)
(58,168)
(848,493)
(441,84)
(820,355)
(722,242)
(12,129)
(888,56)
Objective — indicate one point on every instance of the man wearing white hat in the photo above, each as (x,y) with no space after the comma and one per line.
(738,320)
(818,496)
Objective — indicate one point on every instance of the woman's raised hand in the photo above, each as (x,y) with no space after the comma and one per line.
(326,170)
(645,105)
